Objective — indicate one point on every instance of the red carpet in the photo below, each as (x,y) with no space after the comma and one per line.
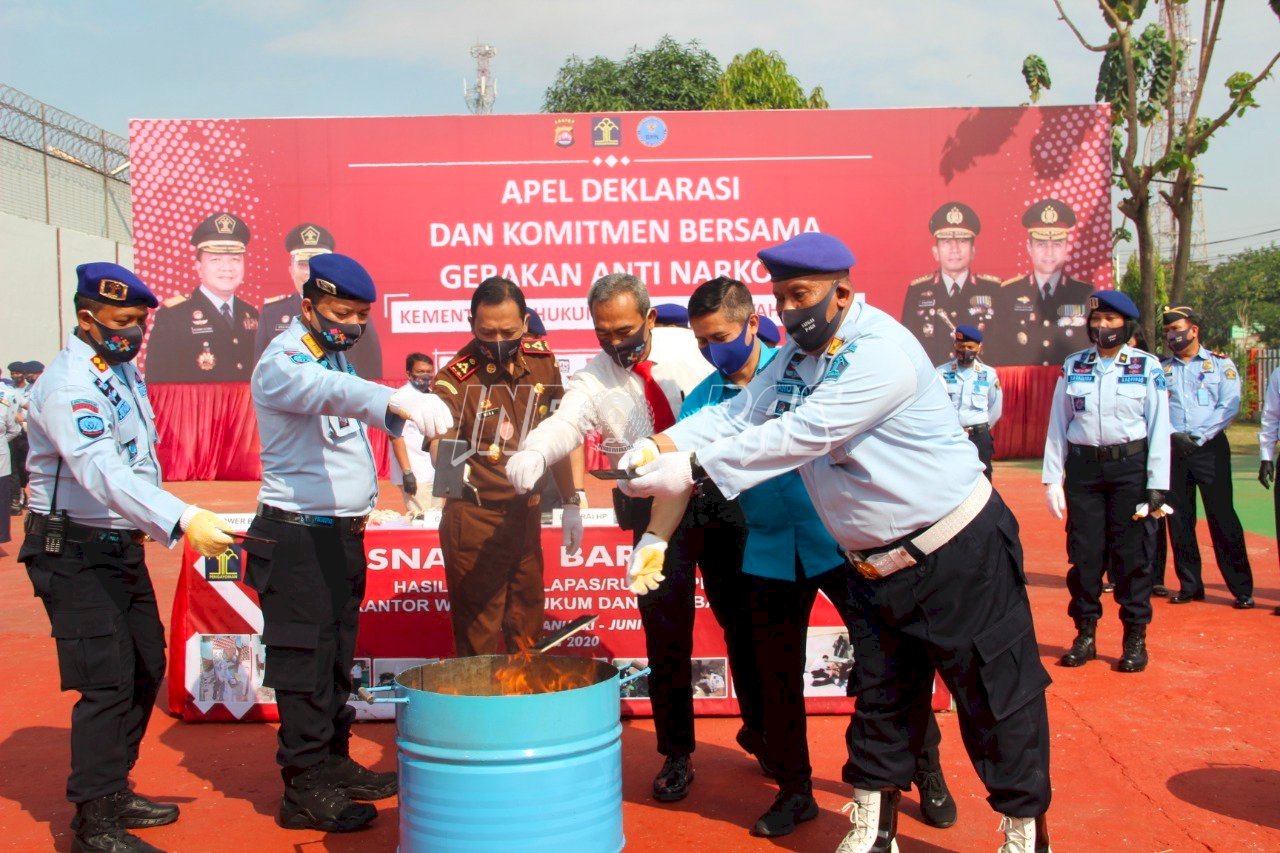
(1185,756)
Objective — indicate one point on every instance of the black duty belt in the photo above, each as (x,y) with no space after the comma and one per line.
(1111,452)
(353,524)
(82,533)
(978,429)
(502,505)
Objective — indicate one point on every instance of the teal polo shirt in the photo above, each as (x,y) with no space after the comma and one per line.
(782,526)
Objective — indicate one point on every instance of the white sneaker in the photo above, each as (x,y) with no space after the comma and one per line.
(1019,834)
(864,814)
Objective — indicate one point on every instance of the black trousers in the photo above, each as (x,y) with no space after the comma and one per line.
(780,611)
(986,448)
(18,459)
(1209,470)
(712,536)
(1101,533)
(102,609)
(310,584)
(964,611)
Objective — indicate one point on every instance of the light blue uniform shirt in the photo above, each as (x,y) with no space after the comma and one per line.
(1100,403)
(1270,432)
(781,523)
(312,412)
(1204,393)
(867,423)
(974,391)
(99,422)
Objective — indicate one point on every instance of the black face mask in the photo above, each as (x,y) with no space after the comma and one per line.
(966,357)
(499,351)
(628,353)
(1178,341)
(809,327)
(335,336)
(1107,338)
(117,345)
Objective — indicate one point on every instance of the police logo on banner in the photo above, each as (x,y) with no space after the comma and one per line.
(652,131)
(225,566)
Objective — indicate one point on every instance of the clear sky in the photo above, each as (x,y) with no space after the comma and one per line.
(109,62)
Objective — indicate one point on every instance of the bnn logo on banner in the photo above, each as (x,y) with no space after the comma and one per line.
(1010,204)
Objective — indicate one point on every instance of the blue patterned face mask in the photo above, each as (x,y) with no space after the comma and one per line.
(117,345)
(627,354)
(335,336)
(730,356)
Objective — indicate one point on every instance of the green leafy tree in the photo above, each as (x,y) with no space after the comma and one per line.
(1136,77)
(668,76)
(756,80)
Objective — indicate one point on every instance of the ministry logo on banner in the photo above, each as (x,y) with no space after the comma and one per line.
(605,130)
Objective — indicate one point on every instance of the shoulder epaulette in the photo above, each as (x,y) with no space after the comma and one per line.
(1219,354)
(463,367)
(535,346)
(175,300)
(275,299)
(1009,281)
(922,279)
(986,277)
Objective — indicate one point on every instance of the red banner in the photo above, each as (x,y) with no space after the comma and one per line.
(217,659)
(433,205)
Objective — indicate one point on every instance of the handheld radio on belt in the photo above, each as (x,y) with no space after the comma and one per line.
(55,527)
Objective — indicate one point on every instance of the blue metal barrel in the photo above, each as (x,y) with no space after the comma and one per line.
(537,772)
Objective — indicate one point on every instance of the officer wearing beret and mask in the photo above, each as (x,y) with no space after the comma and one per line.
(1204,397)
(1106,465)
(304,242)
(308,560)
(974,389)
(208,335)
(952,294)
(95,498)
(853,403)
(1268,436)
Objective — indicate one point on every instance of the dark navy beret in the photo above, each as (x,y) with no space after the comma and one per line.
(112,284)
(670,314)
(309,239)
(341,276)
(1181,312)
(768,331)
(805,254)
(15,365)
(969,333)
(33,367)
(1113,300)
(955,220)
(536,327)
(222,234)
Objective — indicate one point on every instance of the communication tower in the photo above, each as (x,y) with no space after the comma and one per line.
(480,96)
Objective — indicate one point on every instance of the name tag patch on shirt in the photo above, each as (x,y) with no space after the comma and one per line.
(132,449)
(123,409)
(790,395)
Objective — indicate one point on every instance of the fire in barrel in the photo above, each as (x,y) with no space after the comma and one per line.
(510,752)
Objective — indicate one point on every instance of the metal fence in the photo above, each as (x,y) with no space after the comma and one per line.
(61,170)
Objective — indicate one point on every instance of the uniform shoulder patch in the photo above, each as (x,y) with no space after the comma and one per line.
(175,300)
(535,346)
(275,299)
(312,347)
(463,367)
(90,426)
(1230,373)
(443,384)
(922,279)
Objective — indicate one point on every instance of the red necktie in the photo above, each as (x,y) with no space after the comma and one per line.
(653,395)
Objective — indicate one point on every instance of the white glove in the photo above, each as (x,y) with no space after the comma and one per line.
(524,468)
(642,453)
(1144,509)
(426,411)
(571,530)
(669,474)
(644,569)
(1056,499)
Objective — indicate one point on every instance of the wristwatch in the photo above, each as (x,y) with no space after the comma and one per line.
(573,500)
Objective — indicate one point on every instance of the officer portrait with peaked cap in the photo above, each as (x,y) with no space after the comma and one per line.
(304,242)
(207,335)
(1043,313)
(952,294)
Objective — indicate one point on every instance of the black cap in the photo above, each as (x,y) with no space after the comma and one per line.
(955,219)
(308,240)
(222,234)
(1049,219)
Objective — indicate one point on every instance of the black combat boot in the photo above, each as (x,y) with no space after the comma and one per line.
(136,811)
(311,802)
(936,804)
(1083,648)
(358,782)
(98,829)
(673,780)
(874,815)
(1134,658)
(790,807)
